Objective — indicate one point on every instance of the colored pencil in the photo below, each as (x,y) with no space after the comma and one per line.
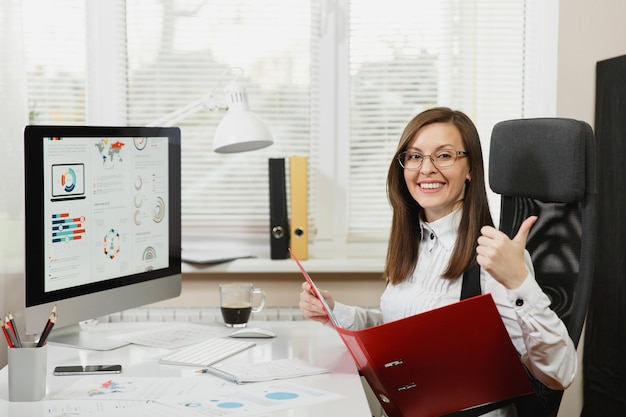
(6,334)
(48,327)
(15,332)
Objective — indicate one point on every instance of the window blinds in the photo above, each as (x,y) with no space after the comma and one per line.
(177,52)
(464,55)
(55,57)
(386,62)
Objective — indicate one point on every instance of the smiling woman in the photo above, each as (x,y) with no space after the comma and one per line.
(437,184)
(431,193)
(442,243)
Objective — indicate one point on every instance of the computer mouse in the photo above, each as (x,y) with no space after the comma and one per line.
(252,332)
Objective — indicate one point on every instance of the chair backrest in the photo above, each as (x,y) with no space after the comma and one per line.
(546,167)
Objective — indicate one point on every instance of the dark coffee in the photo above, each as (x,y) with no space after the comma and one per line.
(236,314)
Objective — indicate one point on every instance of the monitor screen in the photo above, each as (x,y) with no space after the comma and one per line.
(102,223)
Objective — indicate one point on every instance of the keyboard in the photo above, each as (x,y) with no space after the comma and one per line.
(206,353)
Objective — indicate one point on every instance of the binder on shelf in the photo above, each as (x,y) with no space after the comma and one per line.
(279,217)
(445,360)
(298,193)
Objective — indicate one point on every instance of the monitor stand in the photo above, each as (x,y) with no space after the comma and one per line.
(77,337)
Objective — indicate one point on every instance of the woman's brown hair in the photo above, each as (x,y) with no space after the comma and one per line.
(405,229)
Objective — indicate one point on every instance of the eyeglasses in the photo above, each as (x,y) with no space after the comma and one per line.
(443,158)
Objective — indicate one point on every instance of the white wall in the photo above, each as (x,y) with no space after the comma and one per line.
(588,32)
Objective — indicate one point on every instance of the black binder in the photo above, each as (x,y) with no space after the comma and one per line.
(279,219)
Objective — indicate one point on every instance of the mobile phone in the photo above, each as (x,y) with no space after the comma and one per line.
(87,369)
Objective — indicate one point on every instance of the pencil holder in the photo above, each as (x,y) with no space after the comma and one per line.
(28,369)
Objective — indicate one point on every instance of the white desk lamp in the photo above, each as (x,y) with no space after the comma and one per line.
(239,131)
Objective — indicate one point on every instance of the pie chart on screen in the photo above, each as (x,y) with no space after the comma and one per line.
(158,211)
(68,180)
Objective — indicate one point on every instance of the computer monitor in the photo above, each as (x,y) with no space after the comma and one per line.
(102,223)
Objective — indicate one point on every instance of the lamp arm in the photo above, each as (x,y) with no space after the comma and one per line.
(195,106)
(239,131)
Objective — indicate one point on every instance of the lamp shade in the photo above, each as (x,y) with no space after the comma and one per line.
(240,130)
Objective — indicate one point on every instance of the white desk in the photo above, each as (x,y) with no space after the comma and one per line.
(309,341)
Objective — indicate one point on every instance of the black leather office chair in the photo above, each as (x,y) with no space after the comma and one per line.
(546,167)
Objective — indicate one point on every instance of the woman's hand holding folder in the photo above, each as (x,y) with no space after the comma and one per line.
(311,307)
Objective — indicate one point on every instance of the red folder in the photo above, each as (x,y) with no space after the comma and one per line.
(444,360)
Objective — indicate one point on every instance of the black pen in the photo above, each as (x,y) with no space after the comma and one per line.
(48,327)
(17,335)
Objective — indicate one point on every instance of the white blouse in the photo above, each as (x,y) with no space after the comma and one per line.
(536,331)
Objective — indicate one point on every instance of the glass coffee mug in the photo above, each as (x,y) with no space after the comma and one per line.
(237,302)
